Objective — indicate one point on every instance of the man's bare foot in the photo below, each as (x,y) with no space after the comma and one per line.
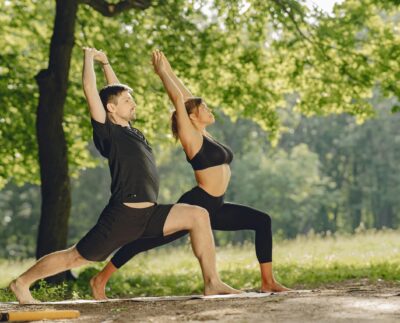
(274,287)
(98,287)
(219,288)
(22,293)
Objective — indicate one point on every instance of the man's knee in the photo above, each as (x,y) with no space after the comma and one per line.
(200,216)
(75,258)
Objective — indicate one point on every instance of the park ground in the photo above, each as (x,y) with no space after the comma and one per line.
(350,301)
(348,278)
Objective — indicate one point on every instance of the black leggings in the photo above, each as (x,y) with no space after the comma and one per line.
(223,216)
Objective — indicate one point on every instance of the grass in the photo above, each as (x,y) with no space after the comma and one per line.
(305,262)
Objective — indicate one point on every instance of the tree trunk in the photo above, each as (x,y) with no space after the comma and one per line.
(55,183)
(386,216)
(355,197)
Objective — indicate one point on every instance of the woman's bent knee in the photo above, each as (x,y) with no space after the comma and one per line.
(264,222)
(260,221)
(267,219)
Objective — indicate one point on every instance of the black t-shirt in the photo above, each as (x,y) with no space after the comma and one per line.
(134,175)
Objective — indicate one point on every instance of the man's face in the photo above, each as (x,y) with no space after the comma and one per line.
(126,106)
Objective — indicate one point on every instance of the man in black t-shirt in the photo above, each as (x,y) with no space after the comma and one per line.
(132,211)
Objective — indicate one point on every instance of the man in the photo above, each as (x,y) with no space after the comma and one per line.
(132,211)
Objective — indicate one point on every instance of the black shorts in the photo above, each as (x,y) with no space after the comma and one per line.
(120,224)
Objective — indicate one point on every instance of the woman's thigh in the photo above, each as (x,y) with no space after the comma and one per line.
(232,217)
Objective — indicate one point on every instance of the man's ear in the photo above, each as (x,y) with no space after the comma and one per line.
(110,107)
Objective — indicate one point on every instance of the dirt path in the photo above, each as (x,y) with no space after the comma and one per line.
(347,302)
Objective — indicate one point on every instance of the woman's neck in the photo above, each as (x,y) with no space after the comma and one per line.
(201,128)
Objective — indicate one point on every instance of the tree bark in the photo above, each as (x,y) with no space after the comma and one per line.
(53,159)
(355,197)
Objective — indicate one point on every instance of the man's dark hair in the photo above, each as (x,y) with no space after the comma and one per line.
(111,92)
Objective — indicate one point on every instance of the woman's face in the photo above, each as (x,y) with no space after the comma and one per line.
(204,114)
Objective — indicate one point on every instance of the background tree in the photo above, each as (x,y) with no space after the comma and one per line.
(245,62)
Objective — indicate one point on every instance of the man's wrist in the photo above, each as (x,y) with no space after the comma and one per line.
(89,56)
(105,63)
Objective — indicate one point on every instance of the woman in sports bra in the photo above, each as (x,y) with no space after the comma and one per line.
(210,161)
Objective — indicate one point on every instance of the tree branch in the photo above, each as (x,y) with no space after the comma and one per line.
(114,9)
(288,8)
(321,46)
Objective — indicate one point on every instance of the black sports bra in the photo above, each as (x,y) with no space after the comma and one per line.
(211,153)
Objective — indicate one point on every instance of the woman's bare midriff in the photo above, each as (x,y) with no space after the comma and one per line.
(214,180)
(140,205)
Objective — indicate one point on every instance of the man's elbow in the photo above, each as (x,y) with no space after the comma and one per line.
(89,88)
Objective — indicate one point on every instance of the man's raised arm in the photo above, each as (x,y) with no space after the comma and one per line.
(107,69)
(96,108)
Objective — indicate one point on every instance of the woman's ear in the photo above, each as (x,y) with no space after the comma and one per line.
(193,116)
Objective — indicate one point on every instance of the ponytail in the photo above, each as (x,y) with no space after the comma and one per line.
(191,104)
(174,125)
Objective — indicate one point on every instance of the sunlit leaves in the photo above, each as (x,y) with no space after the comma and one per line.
(244,57)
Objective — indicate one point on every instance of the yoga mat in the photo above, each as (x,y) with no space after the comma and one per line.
(164,298)
(174,298)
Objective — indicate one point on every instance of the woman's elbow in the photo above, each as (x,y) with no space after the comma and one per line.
(177,99)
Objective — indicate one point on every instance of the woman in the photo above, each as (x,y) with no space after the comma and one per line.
(210,161)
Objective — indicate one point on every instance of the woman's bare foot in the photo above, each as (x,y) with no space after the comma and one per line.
(274,287)
(22,292)
(98,287)
(219,288)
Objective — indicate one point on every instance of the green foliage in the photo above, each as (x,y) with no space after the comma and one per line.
(361,162)
(345,55)
(44,291)
(245,58)
(24,34)
(6,295)
(289,186)
(18,220)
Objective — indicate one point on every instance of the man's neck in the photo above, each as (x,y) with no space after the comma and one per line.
(119,121)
